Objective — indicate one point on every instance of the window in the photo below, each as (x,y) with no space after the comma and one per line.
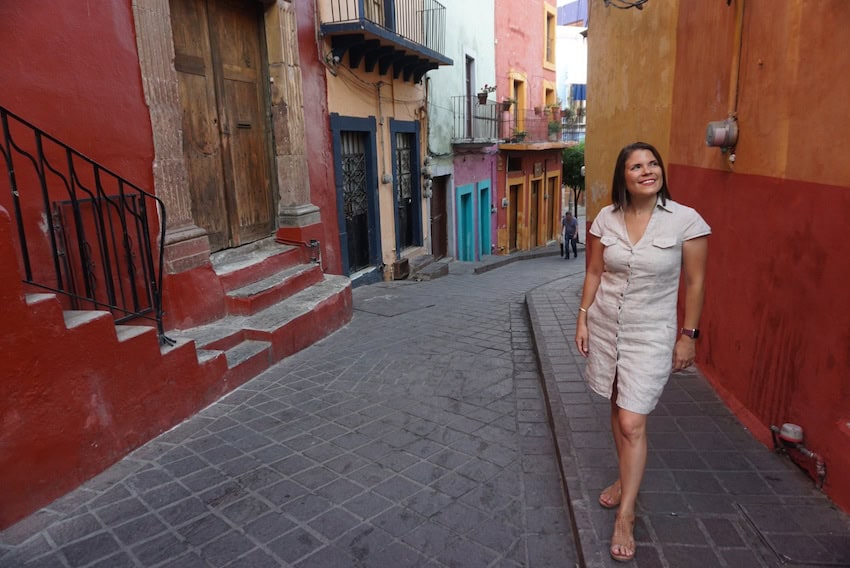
(549,35)
(550,97)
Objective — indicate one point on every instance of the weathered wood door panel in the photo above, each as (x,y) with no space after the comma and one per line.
(225,132)
(201,137)
(533,212)
(439,218)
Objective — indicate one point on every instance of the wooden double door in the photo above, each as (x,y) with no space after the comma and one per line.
(223,87)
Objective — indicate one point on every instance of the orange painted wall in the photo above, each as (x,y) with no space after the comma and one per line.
(791,106)
(549,164)
(629,90)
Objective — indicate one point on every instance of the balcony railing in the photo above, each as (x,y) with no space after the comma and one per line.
(422,22)
(84,232)
(475,122)
(573,132)
(490,122)
(532,126)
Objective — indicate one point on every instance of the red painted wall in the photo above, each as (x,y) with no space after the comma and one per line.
(74,73)
(319,159)
(72,69)
(520,47)
(775,318)
(72,402)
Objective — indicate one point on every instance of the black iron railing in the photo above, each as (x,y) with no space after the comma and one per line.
(420,21)
(539,124)
(84,232)
(475,121)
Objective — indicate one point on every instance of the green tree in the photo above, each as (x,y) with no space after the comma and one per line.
(572,160)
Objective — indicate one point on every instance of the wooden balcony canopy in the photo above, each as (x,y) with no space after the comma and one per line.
(402,37)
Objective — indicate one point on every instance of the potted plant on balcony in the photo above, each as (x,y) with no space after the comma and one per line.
(554,130)
(555,109)
(485,90)
(507,103)
(519,135)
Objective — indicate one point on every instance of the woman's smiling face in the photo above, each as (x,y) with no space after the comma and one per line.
(643,174)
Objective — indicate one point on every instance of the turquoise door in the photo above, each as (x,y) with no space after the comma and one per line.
(484,218)
(465,223)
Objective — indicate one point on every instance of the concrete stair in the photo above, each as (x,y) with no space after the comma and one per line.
(424,267)
(276,305)
(85,391)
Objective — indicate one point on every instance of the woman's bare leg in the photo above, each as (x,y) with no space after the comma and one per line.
(610,496)
(632,452)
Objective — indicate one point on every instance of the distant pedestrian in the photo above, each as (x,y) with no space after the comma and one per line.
(638,247)
(569,234)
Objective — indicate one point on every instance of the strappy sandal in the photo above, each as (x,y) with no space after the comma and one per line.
(623,540)
(611,495)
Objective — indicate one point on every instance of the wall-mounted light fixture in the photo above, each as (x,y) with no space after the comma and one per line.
(723,134)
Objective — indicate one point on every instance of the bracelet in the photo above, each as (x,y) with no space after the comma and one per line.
(582,309)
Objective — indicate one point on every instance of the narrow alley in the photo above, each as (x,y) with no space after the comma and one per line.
(419,435)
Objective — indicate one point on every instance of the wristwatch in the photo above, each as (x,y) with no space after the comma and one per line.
(692,333)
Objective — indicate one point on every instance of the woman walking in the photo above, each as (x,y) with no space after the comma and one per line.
(638,248)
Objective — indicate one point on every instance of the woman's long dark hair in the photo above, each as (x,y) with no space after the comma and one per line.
(619,194)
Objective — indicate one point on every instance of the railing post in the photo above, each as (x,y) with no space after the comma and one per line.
(13,188)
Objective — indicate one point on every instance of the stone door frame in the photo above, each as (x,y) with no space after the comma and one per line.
(186,244)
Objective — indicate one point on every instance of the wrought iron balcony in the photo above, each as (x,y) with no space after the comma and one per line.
(480,124)
(541,127)
(475,124)
(405,37)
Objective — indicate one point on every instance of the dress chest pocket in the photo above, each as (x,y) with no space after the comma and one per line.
(664,242)
(615,254)
(666,253)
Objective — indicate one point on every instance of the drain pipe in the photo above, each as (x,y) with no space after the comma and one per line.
(790,437)
(312,244)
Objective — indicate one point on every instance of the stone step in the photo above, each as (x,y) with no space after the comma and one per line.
(259,295)
(432,270)
(44,306)
(284,324)
(128,332)
(244,265)
(78,318)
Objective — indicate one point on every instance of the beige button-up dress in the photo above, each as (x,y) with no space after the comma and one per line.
(632,321)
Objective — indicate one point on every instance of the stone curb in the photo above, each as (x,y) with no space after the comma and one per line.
(560,429)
